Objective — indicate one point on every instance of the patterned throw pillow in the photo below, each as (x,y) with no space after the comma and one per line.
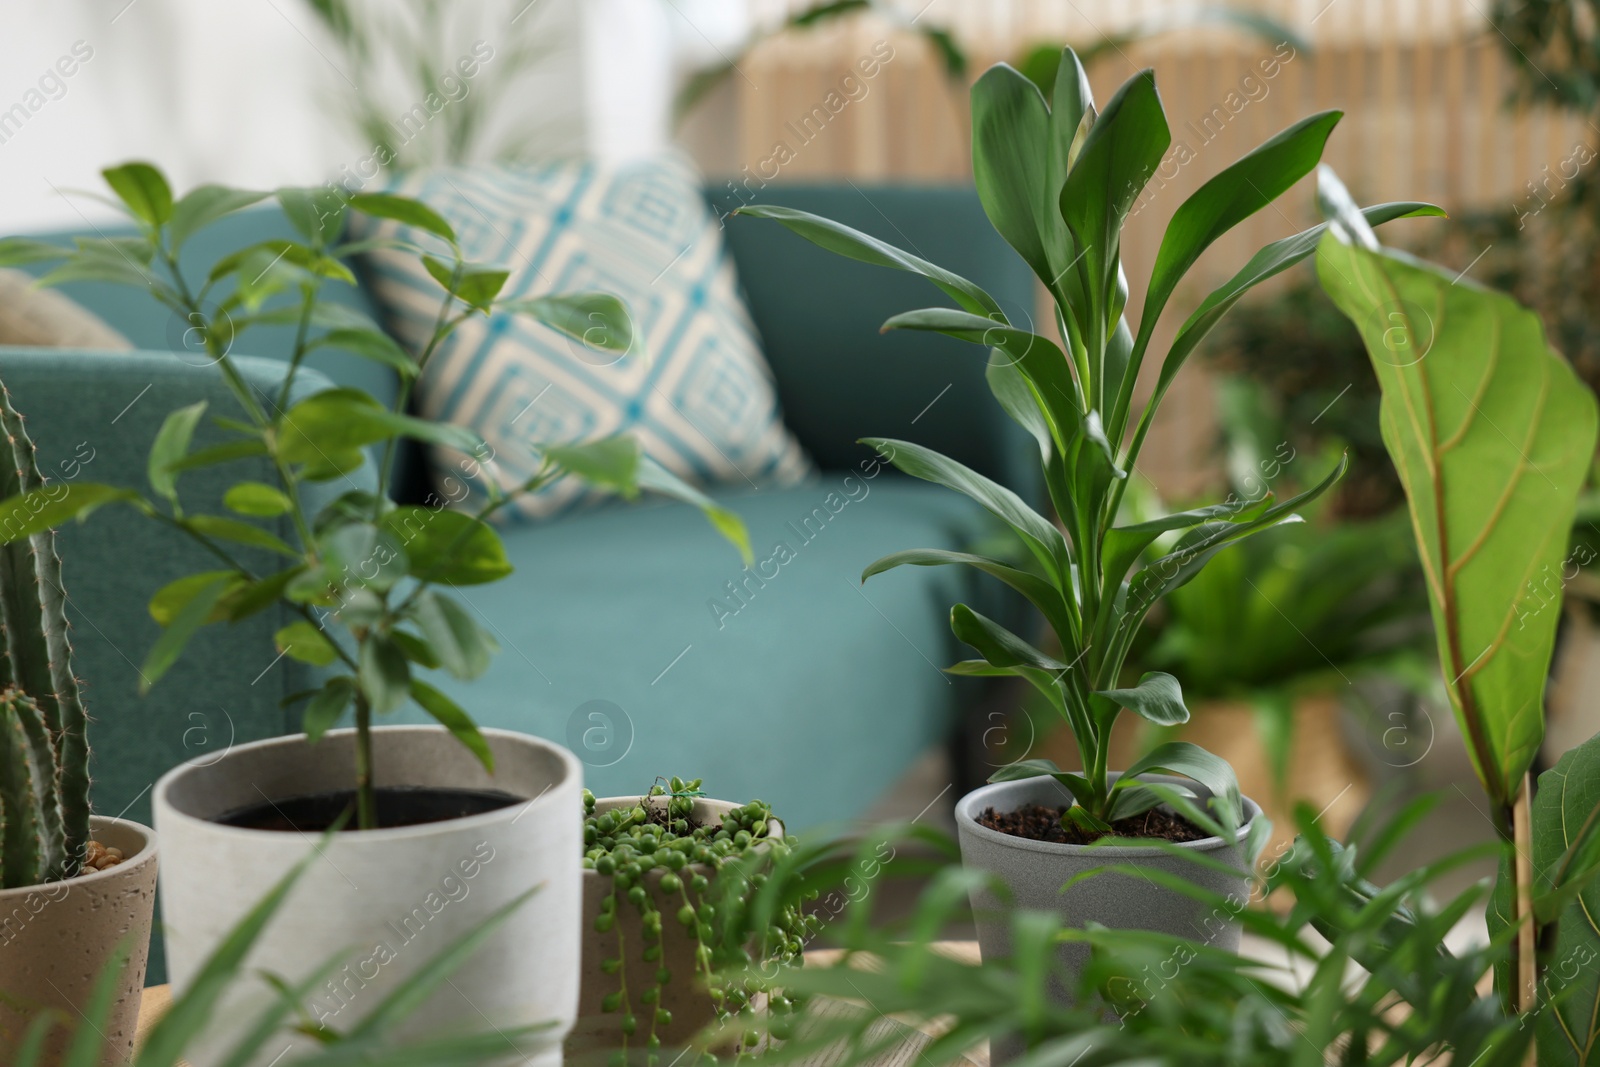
(694,390)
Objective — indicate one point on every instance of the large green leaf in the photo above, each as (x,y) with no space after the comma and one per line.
(1040,593)
(1492,434)
(1010,137)
(835,237)
(657,479)
(1191,761)
(335,421)
(143,189)
(447,546)
(1157,697)
(205,204)
(405,210)
(39,509)
(600,320)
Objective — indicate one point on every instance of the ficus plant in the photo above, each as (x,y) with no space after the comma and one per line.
(365,576)
(1059,179)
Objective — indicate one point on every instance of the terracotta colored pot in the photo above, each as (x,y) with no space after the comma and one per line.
(598,1032)
(57,939)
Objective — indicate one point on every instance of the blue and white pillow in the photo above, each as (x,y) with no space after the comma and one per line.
(694,390)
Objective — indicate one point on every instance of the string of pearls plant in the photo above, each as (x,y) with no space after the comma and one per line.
(660,859)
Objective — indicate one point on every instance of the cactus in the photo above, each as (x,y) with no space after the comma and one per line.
(44,751)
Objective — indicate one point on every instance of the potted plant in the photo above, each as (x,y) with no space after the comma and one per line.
(448,823)
(1059,179)
(77,891)
(656,871)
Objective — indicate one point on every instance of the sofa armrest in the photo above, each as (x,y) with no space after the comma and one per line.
(819,314)
(93,416)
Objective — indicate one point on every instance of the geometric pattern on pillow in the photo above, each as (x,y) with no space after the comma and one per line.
(695,389)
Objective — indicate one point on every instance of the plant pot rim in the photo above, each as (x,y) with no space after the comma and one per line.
(986,795)
(148,852)
(573,771)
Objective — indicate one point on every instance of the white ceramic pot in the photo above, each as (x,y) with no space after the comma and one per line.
(56,940)
(1035,871)
(388,899)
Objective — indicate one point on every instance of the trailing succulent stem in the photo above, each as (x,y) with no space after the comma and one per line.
(44,751)
(1059,180)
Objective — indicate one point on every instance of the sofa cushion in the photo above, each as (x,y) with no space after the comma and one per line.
(694,389)
(634,636)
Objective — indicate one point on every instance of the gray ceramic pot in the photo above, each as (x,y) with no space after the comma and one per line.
(598,1032)
(1036,870)
(55,940)
(384,901)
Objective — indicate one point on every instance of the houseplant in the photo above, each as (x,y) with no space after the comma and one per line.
(1058,180)
(654,881)
(71,884)
(362,575)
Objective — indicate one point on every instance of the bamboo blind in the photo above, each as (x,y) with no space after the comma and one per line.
(1422,82)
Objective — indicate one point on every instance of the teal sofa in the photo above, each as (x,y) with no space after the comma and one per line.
(804,688)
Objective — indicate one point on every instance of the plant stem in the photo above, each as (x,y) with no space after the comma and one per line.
(366,799)
(1524,992)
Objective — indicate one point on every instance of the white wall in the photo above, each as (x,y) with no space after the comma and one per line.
(247,92)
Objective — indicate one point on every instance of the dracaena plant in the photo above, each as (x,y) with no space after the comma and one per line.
(1059,180)
(361,565)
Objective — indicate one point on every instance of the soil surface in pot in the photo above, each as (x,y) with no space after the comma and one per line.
(1037,822)
(397,806)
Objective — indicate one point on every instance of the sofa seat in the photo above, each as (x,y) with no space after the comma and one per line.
(807,690)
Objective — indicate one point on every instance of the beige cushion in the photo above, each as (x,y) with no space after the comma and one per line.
(44,318)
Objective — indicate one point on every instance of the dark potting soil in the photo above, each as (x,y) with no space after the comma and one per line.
(397,806)
(1036,822)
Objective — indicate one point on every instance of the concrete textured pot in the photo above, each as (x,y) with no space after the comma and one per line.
(388,899)
(56,940)
(1035,871)
(598,1032)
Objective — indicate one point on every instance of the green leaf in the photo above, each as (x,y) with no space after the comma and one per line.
(416,649)
(329,425)
(657,479)
(442,272)
(384,673)
(316,212)
(600,320)
(21,251)
(203,205)
(323,313)
(362,555)
(172,444)
(326,707)
(1038,532)
(241,533)
(256,498)
(1010,136)
(170,599)
(457,640)
(1191,761)
(247,599)
(612,463)
(304,642)
(37,510)
(404,210)
(1122,151)
(1040,593)
(370,344)
(853,244)
(1157,697)
(449,715)
(226,452)
(1038,358)
(143,189)
(448,547)
(997,645)
(188,619)
(1493,435)
(479,287)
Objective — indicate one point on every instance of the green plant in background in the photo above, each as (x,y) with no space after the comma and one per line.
(1311,609)
(1149,998)
(1058,180)
(663,863)
(1493,435)
(287,1019)
(44,746)
(363,564)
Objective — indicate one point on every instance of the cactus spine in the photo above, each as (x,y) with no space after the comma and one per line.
(44,751)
